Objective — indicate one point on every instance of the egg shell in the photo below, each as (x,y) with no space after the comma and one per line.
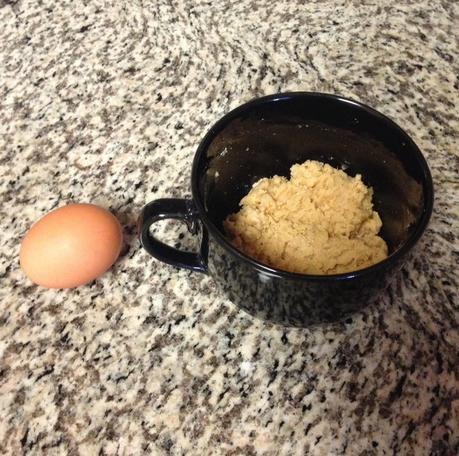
(71,246)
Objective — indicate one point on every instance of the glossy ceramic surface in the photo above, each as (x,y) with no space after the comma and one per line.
(266,137)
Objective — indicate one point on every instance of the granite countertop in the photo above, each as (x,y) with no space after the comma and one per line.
(106,101)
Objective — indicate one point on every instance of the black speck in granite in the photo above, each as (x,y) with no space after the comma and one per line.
(108,104)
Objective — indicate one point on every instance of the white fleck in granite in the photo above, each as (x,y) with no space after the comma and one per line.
(106,101)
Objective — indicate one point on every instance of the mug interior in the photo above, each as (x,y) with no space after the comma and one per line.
(267,136)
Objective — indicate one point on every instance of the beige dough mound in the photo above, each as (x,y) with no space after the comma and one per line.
(321,221)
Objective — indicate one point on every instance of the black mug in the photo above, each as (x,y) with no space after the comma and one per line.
(265,137)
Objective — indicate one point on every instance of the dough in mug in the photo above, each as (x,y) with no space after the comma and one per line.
(320,221)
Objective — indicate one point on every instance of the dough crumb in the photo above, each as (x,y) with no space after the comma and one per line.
(320,221)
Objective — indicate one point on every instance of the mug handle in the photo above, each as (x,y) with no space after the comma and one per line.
(172,208)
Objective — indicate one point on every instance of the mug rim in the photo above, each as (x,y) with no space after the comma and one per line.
(390,260)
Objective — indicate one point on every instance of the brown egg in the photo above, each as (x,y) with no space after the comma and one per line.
(71,246)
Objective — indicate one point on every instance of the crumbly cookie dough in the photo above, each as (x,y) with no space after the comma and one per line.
(321,221)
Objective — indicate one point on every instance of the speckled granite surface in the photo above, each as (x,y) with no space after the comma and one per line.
(106,102)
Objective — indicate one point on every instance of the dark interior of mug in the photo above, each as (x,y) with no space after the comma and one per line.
(266,138)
